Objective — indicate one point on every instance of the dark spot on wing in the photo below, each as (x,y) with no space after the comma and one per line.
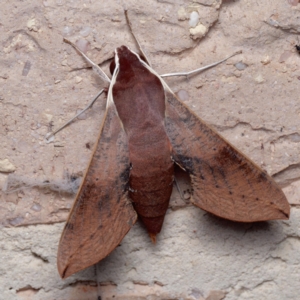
(263,176)
(123,180)
(124,176)
(227,155)
(103,203)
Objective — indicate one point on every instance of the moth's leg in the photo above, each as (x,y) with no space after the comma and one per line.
(182,182)
(50,134)
(178,188)
(193,72)
(95,67)
(135,38)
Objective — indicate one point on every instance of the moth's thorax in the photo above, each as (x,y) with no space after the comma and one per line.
(139,98)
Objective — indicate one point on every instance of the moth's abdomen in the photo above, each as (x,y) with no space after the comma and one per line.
(151,182)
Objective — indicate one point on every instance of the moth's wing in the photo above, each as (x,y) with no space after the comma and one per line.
(225,182)
(102,213)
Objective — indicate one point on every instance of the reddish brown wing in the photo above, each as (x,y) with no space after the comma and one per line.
(102,213)
(225,182)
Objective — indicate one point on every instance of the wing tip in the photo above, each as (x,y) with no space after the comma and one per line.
(285,214)
(68,270)
(62,271)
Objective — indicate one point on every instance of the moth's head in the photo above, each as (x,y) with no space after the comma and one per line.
(125,58)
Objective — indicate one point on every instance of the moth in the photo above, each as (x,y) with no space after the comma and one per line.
(146,131)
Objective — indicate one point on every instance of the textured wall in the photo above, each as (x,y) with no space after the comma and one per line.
(254,104)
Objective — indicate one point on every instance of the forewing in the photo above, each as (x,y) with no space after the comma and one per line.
(102,213)
(225,182)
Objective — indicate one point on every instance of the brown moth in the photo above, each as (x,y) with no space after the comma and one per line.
(145,132)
